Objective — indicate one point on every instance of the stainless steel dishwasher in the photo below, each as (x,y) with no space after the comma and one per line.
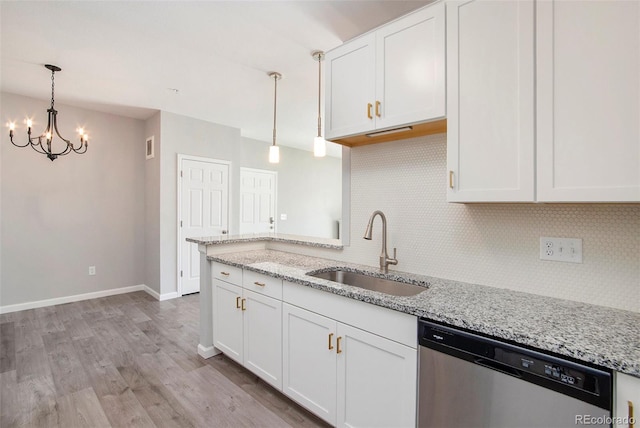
(468,380)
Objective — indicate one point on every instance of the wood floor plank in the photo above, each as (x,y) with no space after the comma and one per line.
(34,403)
(7,347)
(187,360)
(129,360)
(9,407)
(81,409)
(163,408)
(67,370)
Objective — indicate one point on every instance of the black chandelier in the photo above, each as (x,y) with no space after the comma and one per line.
(43,143)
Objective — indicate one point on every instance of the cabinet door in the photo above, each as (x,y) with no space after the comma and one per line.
(588,95)
(350,88)
(309,361)
(227,319)
(263,337)
(627,399)
(410,70)
(377,381)
(490,101)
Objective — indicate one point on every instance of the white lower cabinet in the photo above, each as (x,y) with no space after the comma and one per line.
(376,380)
(345,375)
(309,360)
(627,400)
(247,327)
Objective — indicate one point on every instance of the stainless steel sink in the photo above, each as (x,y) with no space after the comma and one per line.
(368,282)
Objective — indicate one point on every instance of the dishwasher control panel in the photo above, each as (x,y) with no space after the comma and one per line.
(563,375)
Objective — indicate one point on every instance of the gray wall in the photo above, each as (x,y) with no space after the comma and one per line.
(309,188)
(189,136)
(152,205)
(300,179)
(60,217)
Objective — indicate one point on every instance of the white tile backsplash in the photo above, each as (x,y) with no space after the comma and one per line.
(490,244)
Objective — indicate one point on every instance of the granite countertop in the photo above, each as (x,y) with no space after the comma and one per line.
(333,244)
(596,334)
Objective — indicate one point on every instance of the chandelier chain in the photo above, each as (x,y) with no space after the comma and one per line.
(53,85)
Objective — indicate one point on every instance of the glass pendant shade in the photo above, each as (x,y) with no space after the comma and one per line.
(274,154)
(319,147)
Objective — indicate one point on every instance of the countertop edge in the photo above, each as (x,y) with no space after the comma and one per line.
(600,358)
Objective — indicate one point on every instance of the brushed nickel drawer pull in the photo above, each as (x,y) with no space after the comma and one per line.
(224,273)
(260,284)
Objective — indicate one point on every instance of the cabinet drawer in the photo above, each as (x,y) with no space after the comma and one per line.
(263,284)
(226,273)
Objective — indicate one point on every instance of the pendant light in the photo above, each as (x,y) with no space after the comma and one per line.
(319,143)
(274,150)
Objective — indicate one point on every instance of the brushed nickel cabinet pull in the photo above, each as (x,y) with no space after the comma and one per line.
(369,107)
(260,284)
(378,108)
(224,273)
(338,340)
(244,301)
(451,179)
(330,341)
(238,302)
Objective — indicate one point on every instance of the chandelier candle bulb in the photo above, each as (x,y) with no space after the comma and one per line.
(29,123)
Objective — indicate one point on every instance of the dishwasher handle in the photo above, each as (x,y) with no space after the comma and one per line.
(494,365)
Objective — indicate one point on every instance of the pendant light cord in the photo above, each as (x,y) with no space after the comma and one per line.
(319,92)
(275,99)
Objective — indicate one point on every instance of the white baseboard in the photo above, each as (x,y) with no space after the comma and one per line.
(158,296)
(68,299)
(207,351)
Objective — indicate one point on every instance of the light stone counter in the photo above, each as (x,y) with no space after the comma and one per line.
(599,335)
(333,244)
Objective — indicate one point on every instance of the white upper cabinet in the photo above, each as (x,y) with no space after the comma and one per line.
(390,77)
(588,101)
(490,101)
(575,135)
(350,88)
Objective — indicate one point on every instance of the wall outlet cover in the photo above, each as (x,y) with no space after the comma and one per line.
(561,249)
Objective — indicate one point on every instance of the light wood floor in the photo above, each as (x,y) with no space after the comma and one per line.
(127,361)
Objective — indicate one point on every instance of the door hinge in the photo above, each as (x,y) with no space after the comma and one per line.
(180,223)
(181,174)
(180,274)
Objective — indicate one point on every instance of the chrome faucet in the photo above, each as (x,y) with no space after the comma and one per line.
(385,261)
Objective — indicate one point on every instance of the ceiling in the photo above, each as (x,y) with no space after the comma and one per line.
(204,59)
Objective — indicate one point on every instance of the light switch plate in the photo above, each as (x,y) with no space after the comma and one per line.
(283,216)
(561,249)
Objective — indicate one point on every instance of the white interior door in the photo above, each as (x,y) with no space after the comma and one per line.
(257,200)
(204,211)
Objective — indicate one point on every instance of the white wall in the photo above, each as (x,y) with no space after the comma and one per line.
(490,244)
(60,217)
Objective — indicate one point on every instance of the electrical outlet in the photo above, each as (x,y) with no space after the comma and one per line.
(283,216)
(561,249)
(92,270)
